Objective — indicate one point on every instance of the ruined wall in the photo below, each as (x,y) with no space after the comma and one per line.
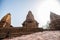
(15,32)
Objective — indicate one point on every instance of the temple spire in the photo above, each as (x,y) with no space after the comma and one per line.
(29,16)
(30,22)
(6,21)
(55,21)
(7,18)
(54,16)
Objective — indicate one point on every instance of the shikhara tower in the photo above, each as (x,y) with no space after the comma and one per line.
(6,21)
(30,22)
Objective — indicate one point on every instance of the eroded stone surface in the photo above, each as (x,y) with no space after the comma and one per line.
(46,35)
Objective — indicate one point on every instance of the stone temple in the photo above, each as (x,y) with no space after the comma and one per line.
(55,21)
(6,21)
(30,22)
(29,26)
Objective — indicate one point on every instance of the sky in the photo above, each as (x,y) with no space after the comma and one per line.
(19,9)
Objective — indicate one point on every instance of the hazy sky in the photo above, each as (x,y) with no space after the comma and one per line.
(19,9)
